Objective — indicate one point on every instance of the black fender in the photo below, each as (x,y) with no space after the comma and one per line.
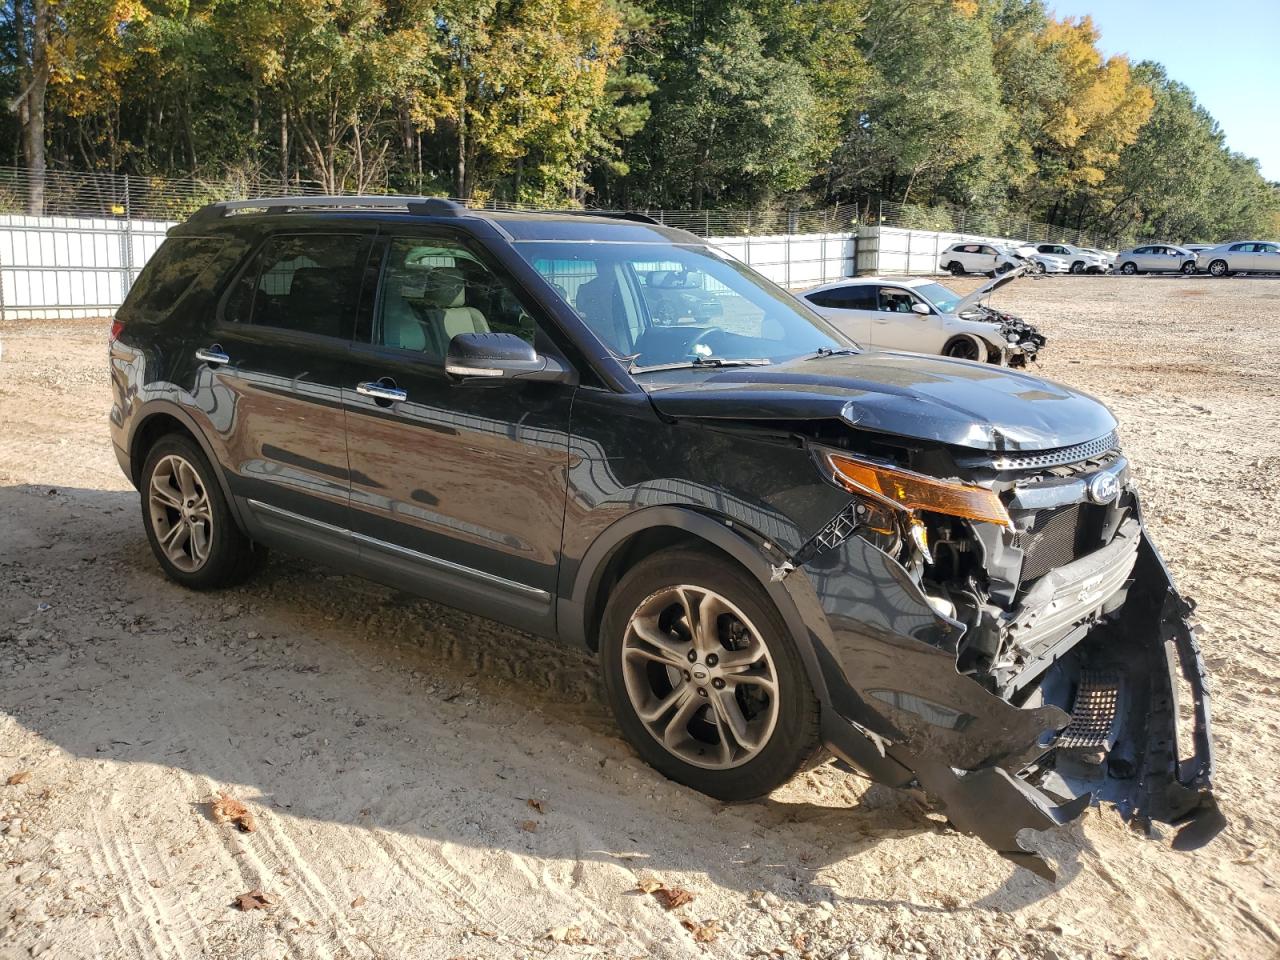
(793,596)
(159,406)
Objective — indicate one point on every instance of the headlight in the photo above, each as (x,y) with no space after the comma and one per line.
(911,491)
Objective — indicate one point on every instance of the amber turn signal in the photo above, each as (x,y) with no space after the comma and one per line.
(915,491)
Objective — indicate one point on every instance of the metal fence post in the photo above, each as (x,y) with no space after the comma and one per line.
(788,262)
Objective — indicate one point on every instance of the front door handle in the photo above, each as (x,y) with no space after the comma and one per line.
(213,355)
(384,389)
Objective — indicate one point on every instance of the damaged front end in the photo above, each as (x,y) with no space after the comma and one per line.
(1024,340)
(1010,639)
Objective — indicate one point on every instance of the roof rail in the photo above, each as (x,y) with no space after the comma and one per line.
(423,206)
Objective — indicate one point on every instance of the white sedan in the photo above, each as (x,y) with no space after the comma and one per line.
(1248,256)
(919,315)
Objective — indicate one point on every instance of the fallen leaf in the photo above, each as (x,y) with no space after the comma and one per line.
(529,826)
(256,900)
(649,886)
(800,941)
(359,901)
(227,809)
(571,935)
(538,805)
(22,776)
(672,897)
(703,932)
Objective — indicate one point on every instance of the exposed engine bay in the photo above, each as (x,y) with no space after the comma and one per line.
(1013,330)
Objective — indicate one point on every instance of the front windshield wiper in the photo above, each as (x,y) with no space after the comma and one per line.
(830,352)
(699,363)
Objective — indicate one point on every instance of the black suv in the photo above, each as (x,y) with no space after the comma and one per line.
(775,541)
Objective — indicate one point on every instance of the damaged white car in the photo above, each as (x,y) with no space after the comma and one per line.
(922,316)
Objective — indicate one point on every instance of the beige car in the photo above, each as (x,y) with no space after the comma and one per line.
(1245,256)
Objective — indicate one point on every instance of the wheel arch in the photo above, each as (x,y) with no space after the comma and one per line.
(637,535)
(159,419)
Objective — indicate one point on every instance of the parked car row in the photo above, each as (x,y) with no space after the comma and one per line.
(992,259)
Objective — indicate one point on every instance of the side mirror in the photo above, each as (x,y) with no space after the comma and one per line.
(501,356)
(921,309)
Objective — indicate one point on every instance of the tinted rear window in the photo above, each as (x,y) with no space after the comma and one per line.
(169,274)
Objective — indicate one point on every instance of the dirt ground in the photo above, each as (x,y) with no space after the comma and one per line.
(428,784)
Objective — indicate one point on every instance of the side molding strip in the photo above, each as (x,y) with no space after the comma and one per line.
(439,563)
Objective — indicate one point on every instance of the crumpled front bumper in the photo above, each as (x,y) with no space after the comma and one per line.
(905,714)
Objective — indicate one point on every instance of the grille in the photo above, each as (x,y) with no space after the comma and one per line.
(1054,540)
(1055,458)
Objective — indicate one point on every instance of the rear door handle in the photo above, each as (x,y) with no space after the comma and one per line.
(384,389)
(213,355)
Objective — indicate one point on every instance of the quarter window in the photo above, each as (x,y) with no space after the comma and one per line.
(309,283)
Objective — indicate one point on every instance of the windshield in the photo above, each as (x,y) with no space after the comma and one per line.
(657,304)
(942,298)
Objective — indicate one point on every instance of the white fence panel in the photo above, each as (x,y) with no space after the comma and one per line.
(794,260)
(904,251)
(61,267)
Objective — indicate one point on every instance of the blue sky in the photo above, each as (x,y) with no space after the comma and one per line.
(1227,51)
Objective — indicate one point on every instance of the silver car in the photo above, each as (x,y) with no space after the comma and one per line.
(1245,256)
(1156,258)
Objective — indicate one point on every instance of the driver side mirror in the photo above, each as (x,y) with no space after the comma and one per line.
(501,356)
(921,309)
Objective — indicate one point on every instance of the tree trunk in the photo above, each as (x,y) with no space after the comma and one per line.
(284,145)
(33,84)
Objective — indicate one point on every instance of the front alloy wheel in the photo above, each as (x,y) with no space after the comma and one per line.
(1218,268)
(962,348)
(700,677)
(704,677)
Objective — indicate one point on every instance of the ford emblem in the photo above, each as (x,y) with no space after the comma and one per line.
(1104,487)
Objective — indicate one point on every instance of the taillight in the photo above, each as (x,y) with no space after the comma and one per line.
(117,328)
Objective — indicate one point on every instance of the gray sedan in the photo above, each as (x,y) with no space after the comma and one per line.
(1156,258)
(1247,256)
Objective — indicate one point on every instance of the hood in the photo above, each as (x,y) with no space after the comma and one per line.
(988,288)
(974,405)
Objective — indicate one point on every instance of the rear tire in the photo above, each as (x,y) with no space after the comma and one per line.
(955,269)
(745,676)
(188,521)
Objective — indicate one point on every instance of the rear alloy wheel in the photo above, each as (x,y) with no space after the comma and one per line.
(1218,268)
(704,678)
(188,520)
(1129,269)
(962,348)
(956,269)
(1189,268)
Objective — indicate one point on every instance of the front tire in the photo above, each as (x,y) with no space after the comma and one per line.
(704,678)
(1129,269)
(1189,268)
(1218,268)
(963,348)
(1077,267)
(189,524)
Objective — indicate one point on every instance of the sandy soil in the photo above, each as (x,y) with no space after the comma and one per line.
(388,748)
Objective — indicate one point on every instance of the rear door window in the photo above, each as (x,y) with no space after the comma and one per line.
(846,298)
(307,283)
